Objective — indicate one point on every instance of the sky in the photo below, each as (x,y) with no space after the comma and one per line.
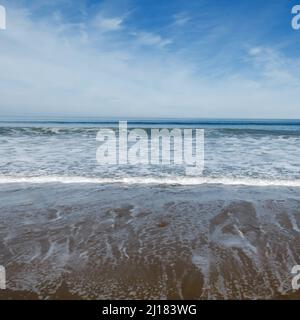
(150,59)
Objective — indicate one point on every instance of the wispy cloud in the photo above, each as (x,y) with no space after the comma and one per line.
(181,19)
(274,68)
(151,39)
(105,24)
(60,66)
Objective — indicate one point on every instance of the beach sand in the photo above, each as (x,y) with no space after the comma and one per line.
(92,241)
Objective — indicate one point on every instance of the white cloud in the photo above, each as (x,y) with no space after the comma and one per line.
(255,51)
(151,39)
(181,19)
(105,24)
(45,70)
(274,68)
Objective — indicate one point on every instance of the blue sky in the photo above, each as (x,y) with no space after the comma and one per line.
(148,58)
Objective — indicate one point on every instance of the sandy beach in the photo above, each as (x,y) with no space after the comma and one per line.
(89,241)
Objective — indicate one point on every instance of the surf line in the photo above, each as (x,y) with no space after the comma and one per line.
(113,310)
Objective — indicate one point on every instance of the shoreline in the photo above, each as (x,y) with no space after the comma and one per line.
(89,241)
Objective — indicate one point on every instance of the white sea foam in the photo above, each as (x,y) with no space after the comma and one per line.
(266,153)
(151,180)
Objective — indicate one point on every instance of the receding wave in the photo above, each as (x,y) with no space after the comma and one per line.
(89,241)
(151,180)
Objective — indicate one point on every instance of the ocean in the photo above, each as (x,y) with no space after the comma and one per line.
(73,228)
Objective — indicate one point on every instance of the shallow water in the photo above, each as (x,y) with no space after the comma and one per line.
(155,241)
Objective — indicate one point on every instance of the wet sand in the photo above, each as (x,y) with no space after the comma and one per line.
(89,241)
